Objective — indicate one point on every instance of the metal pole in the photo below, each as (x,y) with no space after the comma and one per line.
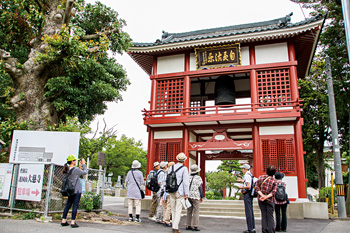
(335,140)
(346,15)
(48,190)
(13,187)
(332,193)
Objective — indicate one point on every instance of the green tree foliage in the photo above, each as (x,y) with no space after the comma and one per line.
(120,154)
(316,121)
(332,43)
(230,166)
(60,48)
(220,180)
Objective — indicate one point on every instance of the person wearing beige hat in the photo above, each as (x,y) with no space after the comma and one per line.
(166,203)
(154,204)
(183,191)
(195,198)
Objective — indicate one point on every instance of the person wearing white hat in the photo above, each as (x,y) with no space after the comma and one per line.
(183,191)
(195,198)
(151,216)
(134,180)
(248,198)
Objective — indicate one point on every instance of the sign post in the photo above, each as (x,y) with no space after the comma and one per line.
(30,182)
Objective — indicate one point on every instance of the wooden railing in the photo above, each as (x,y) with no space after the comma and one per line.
(237,109)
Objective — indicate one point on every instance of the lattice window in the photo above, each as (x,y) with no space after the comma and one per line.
(195,111)
(280,153)
(167,151)
(273,87)
(170,95)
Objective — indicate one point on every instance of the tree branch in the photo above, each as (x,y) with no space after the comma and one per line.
(67,12)
(40,4)
(10,64)
(96,36)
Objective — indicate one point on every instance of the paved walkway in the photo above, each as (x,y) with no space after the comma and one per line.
(207,224)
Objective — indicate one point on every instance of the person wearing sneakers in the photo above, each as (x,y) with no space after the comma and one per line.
(74,174)
(161,183)
(154,204)
(248,198)
(195,198)
(182,179)
(166,202)
(134,181)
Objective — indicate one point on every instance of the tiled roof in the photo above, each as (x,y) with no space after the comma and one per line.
(280,23)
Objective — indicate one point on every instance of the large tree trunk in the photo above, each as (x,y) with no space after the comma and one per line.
(320,168)
(29,102)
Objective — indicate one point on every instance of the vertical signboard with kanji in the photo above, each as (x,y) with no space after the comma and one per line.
(5,180)
(30,182)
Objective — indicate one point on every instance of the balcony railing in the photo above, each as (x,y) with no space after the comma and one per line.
(225,110)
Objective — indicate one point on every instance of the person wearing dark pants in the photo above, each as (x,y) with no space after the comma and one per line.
(281,207)
(248,199)
(267,220)
(74,174)
(266,186)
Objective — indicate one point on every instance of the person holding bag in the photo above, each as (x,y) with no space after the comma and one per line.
(266,187)
(74,174)
(134,181)
(195,198)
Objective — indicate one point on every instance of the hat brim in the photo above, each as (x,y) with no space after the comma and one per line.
(198,170)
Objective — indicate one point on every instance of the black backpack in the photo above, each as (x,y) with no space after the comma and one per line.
(280,194)
(67,186)
(252,190)
(171,182)
(152,181)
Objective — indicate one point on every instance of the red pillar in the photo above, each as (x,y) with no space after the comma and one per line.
(202,167)
(257,156)
(151,154)
(253,78)
(300,160)
(187,84)
(293,73)
(154,85)
(185,142)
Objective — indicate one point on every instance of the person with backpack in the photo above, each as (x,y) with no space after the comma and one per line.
(248,198)
(177,184)
(195,198)
(73,174)
(150,186)
(161,183)
(266,186)
(134,181)
(281,201)
(166,202)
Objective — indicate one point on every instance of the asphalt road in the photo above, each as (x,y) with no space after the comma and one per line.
(207,224)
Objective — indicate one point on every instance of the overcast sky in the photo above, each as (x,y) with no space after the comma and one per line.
(146,19)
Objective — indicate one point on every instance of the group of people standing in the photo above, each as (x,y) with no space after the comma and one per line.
(265,187)
(167,206)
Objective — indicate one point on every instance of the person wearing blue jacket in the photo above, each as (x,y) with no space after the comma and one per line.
(74,179)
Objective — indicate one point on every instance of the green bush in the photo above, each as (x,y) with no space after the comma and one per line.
(213,195)
(323,195)
(30,215)
(90,201)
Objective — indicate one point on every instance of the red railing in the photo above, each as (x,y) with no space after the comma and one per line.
(237,109)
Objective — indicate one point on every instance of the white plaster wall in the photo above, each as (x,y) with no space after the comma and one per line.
(245,56)
(271,53)
(292,186)
(167,134)
(276,130)
(193,65)
(192,137)
(171,64)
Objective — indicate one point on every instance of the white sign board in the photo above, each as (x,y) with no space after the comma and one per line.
(5,180)
(43,146)
(30,182)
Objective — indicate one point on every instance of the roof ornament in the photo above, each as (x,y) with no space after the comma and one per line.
(165,35)
(285,21)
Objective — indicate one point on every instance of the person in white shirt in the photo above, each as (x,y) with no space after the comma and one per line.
(248,198)
(161,182)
